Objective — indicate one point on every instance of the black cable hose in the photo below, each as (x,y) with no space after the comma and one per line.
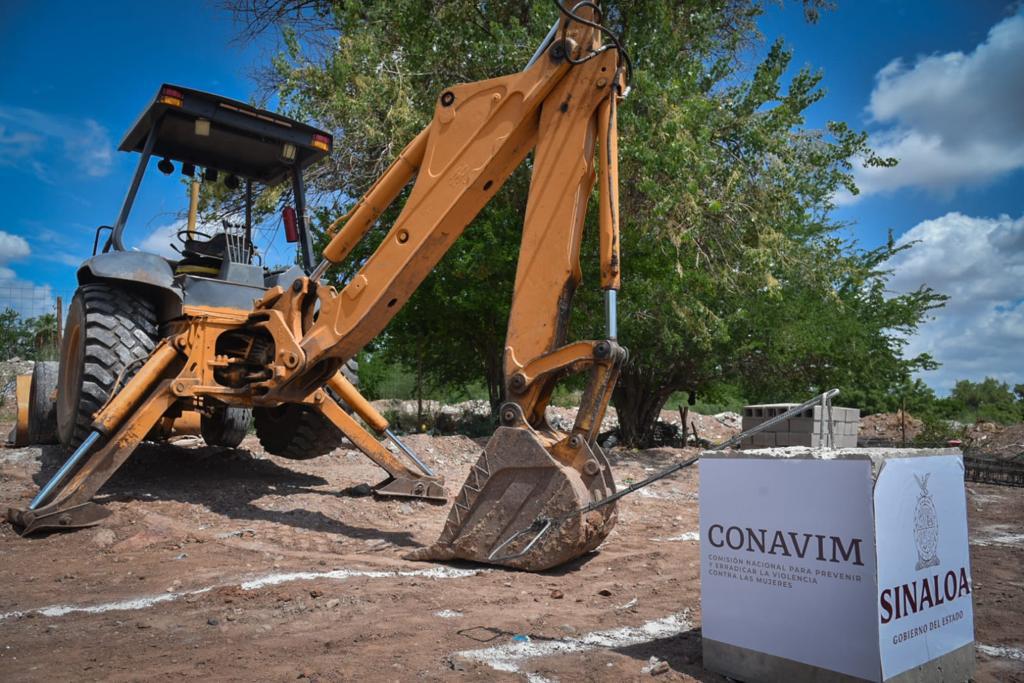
(615,42)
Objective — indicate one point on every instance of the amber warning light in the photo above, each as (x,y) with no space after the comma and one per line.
(322,142)
(170,96)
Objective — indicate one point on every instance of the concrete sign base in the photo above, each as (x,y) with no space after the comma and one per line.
(849,564)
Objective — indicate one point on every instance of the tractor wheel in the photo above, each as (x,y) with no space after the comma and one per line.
(297,432)
(42,408)
(109,331)
(226,427)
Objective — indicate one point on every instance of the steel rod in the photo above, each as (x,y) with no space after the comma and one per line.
(543,44)
(408,451)
(62,473)
(611,312)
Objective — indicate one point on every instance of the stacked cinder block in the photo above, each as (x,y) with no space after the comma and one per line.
(803,430)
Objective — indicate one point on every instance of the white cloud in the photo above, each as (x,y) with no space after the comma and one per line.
(951,119)
(27,134)
(12,247)
(159,241)
(979,263)
(27,298)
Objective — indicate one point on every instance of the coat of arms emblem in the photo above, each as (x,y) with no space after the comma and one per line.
(926,527)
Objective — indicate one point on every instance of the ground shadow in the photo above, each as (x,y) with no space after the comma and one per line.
(682,652)
(225,481)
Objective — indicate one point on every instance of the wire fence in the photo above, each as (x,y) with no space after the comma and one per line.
(33,301)
(31,318)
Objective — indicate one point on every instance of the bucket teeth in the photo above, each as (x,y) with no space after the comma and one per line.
(466,499)
(515,482)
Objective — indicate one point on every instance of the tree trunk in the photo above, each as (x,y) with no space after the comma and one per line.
(638,400)
(495,380)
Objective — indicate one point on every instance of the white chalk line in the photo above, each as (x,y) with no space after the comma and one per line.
(685,536)
(1001,539)
(1002,651)
(511,656)
(448,614)
(143,602)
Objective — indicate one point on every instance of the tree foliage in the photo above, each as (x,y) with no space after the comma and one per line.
(988,399)
(33,338)
(734,270)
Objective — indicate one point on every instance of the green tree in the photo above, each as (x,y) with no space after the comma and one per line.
(989,399)
(27,338)
(733,271)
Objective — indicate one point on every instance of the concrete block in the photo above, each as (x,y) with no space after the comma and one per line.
(751,422)
(763,439)
(802,424)
(742,664)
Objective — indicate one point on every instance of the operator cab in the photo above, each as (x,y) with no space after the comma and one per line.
(209,138)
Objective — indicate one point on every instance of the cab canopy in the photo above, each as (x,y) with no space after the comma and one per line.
(210,131)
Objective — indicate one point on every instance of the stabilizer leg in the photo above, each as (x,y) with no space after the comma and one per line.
(67,506)
(63,503)
(402,481)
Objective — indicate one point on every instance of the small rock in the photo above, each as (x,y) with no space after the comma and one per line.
(360,490)
(332,603)
(315,594)
(104,538)
(567,628)
(605,592)
(629,605)
(659,668)
(557,594)
(405,509)
(212,621)
(230,617)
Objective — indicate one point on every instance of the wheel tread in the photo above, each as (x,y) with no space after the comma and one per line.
(120,327)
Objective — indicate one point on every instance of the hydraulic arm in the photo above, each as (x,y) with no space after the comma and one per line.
(290,346)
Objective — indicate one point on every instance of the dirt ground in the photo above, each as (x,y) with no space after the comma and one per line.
(234,565)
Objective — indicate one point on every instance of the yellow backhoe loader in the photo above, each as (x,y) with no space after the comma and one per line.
(289,348)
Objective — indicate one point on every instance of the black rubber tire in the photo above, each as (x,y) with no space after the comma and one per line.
(226,427)
(297,432)
(108,329)
(42,406)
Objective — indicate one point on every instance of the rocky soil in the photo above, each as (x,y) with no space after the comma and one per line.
(236,565)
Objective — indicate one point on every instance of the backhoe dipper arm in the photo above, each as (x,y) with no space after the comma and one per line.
(479,134)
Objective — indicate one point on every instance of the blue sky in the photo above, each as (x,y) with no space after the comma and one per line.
(935,82)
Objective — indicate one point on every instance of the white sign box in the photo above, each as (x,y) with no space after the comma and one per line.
(924,570)
(856,564)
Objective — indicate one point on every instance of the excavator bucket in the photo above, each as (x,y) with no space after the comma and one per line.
(517,485)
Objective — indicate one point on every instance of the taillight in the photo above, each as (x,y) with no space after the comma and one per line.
(170,96)
(322,142)
(291,228)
